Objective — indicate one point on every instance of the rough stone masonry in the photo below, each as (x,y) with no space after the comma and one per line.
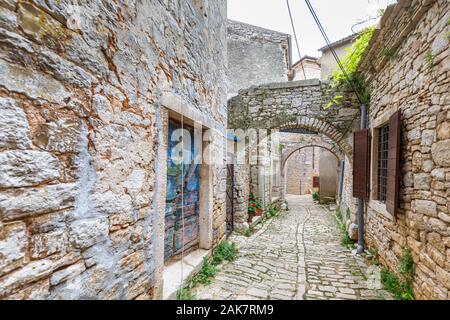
(85,91)
(414,79)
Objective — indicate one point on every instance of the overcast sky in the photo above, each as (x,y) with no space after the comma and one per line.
(337,17)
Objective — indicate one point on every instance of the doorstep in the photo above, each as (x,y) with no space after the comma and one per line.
(173,280)
(255,221)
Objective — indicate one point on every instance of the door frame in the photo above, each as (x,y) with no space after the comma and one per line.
(170,110)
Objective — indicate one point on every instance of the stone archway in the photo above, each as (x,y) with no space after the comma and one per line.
(297,104)
(325,128)
(333,148)
(289,106)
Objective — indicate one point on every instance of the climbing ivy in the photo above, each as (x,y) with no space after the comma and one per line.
(389,53)
(448,33)
(429,58)
(353,57)
(350,62)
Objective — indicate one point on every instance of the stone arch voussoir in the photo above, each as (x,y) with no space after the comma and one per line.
(321,127)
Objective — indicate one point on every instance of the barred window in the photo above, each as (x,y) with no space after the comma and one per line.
(383,137)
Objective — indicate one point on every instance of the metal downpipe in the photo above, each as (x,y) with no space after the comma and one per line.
(360,248)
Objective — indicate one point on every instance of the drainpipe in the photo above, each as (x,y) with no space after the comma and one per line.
(360,248)
(341,180)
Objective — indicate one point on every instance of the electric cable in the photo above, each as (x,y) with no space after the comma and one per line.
(295,37)
(327,40)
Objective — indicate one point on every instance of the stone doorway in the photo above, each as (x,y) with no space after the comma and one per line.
(182,252)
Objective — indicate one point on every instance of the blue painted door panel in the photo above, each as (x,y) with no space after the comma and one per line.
(182,196)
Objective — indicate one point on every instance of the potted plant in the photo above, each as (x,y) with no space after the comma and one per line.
(254,208)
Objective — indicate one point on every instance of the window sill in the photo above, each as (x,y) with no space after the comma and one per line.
(380,207)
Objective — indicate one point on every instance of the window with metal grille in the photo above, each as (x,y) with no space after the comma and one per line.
(383,137)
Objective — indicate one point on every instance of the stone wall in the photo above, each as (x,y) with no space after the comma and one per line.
(83,97)
(241,195)
(256,56)
(311,67)
(328,174)
(347,203)
(300,171)
(299,168)
(328,62)
(416,80)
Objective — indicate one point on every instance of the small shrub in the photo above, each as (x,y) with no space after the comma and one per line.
(400,283)
(225,251)
(272,210)
(205,274)
(346,241)
(315,196)
(393,284)
(429,58)
(286,203)
(341,80)
(389,53)
(249,232)
(406,267)
(339,214)
(375,257)
(185,294)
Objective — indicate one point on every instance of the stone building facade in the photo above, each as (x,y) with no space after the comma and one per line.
(256,56)
(310,65)
(301,168)
(415,80)
(327,61)
(86,91)
(328,176)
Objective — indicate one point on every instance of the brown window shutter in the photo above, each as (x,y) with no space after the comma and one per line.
(393,171)
(361,161)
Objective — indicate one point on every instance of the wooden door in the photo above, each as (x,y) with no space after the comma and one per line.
(182,195)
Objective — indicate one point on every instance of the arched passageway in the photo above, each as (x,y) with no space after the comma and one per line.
(287,107)
(325,167)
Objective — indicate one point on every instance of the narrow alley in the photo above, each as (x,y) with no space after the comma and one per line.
(148,150)
(296,255)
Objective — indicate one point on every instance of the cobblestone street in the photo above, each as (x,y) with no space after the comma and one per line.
(296,255)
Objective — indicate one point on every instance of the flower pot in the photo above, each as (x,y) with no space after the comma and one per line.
(250,218)
(258,212)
